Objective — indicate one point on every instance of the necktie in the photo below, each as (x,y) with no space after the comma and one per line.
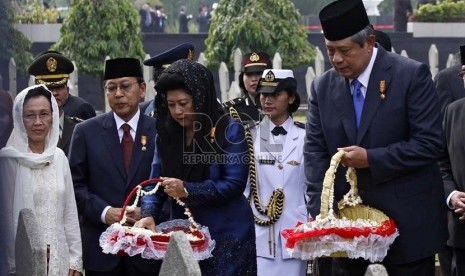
(278,130)
(358,100)
(126,145)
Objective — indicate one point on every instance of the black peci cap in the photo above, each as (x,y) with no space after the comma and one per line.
(343,18)
(122,67)
(255,62)
(163,60)
(51,68)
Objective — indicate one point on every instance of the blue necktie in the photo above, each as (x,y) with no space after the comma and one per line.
(358,100)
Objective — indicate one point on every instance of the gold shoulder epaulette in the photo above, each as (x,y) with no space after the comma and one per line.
(232,102)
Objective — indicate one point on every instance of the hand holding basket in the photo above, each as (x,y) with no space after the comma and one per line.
(121,239)
(358,231)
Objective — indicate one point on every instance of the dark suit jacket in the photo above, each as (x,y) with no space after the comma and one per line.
(403,137)
(452,167)
(449,86)
(6,117)
(68,128)
(77,107)
(100,180)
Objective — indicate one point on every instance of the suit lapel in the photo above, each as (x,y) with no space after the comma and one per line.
(110,138)
(342,98)
(372,98)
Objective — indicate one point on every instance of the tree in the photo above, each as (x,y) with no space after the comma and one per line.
(95,29)
(265,25)
(13,43)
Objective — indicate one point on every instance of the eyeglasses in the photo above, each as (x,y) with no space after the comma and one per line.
(125,87)
(31,118)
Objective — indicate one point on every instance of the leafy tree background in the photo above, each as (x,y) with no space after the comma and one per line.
(12,43)
(269,25)
(95,29)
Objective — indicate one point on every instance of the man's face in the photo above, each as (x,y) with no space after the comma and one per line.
(349,58)
(124,95)
(61,94)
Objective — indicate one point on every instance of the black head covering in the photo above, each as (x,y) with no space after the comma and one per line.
(122,67)
(343,18)
(198,82)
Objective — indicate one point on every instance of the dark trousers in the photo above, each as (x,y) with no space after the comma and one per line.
(445,260)
(358,267)
(458,262)
(126,268)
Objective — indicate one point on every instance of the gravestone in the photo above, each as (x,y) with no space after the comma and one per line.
(30,255)
(376,270)
(179,259)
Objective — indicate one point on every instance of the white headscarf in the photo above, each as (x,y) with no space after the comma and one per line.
(17,163)
(18,146)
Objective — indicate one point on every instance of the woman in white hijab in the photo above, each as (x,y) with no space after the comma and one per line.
(35,174)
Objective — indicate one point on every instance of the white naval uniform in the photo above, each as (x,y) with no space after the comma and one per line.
(280,163)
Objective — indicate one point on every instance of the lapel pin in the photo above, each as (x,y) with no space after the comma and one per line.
(382,89)
(212,135)
(143,141)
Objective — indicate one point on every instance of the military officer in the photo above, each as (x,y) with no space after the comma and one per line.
(160,62)
(253,65)
(52,69)
(279,173)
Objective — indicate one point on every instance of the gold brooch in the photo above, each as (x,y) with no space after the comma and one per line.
(51,64)
(143,141)
(212,135)
(382,89)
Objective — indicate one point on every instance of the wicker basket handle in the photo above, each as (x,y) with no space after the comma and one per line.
(327,194)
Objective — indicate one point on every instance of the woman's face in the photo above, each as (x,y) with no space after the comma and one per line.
(251,82)
(181,107)
(276,105)
(37,119)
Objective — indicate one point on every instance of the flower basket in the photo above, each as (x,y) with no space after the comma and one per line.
(128,240)
(358,231)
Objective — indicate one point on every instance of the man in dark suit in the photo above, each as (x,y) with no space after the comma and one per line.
(6,117)
(454,181)
(53,69)
(450,87)
(111,154)
(382,110)
(146,21)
